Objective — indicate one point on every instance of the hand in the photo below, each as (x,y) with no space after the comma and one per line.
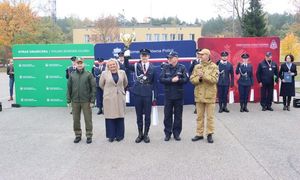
(200,74)
(260,85)
(292,74)
(92,105)
(127,53)
(175,79)
(68,104)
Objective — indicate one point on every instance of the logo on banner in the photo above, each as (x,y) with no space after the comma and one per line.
(53,65)
(27,65)
(54,89)
(273,44)
(116,51)
(54,100)
(53,77)
(27,77)
(28,100)
(27,89)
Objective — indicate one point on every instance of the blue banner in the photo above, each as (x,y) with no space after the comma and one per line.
(159,51)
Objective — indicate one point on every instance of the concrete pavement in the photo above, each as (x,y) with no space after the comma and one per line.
(37,143)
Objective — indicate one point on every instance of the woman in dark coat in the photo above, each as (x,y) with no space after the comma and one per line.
(287,73)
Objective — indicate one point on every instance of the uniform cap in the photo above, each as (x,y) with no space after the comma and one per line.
(245,56)
(224,54)
(145,51)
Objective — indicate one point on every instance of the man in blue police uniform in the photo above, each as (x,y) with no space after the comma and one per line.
(97,70)
(245,81)
(144,84)
(72,68)
(194,62)
(121,60)
(173,76)
(226,79)
(266,74)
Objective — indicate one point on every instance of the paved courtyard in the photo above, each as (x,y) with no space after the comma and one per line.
(37,143)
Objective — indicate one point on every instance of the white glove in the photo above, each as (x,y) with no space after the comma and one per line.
(127,53)
(68,104)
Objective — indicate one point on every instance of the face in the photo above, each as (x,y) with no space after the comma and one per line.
(245,60)
(288,59)
(173,60)
(79,65)
(112,65)
(204,57)
(121,58)
(144,58)
(11,61)
(198,55)
(224,58)
(268,57)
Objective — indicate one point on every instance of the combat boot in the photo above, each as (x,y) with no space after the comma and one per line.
(140,136)
(146,137)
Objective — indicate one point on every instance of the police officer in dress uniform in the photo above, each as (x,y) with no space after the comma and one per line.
(121,61)
(194,62)
(97,70)
(245,70)
(226,79)
(144,84)
(173,76)
(71,68)
(266,74)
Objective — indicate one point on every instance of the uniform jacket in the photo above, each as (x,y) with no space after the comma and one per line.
(143,88)
(287,89)
(266,76)
(205,89)
(114,102)
(246,74)
(226,74)
(173,90)
(81,87)
(97,71)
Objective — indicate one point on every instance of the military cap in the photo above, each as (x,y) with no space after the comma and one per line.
(245,56)
(100,59)
(268,54)
(73,58)
(172,54)
(224,53)
(198,50)
(145,51)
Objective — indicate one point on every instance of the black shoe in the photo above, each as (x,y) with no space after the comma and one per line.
(270,109)
(210,139)
(241,109)
(197,138)
(140,136)
(111,140)
(264,109)
(71,112)
(146,137)
(100,112)
(246,109)
(177,138)
(220,110)
(77,139)
(89,140)
(195,111)
(119,139)
(284,108)
(288,108)
(167,138)
(226,110)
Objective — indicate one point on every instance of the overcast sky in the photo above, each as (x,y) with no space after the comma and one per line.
(187,10)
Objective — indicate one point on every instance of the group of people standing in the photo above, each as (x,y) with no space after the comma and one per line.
(210,79)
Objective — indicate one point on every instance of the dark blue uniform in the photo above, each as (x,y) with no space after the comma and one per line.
(144,84)
(173,97)
(226,79)
(97,71)
(266,74)
(245,82)
(193,64)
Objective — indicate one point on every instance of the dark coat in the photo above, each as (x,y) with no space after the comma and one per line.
(287,89)
(226,74)
(266,76)
(246,74)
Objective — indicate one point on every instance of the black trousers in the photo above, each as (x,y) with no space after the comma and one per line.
(223,94)
(173,125)
(143,105)
(244,92)
(115,128)
(99,97)
(266,95)
(287,100)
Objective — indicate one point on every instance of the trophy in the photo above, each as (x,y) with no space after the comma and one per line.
(127,39)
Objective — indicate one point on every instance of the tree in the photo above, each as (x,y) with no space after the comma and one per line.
(107,29)
(290,45)
(254,23)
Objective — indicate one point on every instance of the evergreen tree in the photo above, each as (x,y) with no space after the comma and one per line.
(254,23)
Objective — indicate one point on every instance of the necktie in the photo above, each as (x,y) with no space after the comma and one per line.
(144,67)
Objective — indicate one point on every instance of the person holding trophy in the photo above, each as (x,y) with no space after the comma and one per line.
(287,73)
